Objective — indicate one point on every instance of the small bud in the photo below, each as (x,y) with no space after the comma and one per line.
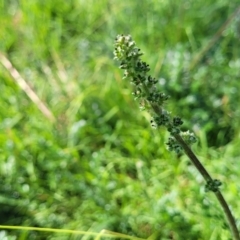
(189,137)
(173,145)
(213,185)
(173,130)
(177,121)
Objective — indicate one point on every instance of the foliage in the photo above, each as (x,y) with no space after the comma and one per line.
(99,165)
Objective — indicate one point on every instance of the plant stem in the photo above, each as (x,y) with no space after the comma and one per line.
(207,177)
(202,170)
(129,55)
(193,158)
(229,216)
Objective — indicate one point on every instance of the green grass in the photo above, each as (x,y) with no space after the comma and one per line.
(100,165)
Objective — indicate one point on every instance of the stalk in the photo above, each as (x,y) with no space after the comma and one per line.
(150,98)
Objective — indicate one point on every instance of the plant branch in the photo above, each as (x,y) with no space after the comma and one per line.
(195,161)
(150,98)
(207,177)
(193,158)
(228,214)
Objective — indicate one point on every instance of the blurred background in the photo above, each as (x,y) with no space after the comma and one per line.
(82,156)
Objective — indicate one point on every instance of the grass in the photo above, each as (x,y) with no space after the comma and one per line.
(99,165)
